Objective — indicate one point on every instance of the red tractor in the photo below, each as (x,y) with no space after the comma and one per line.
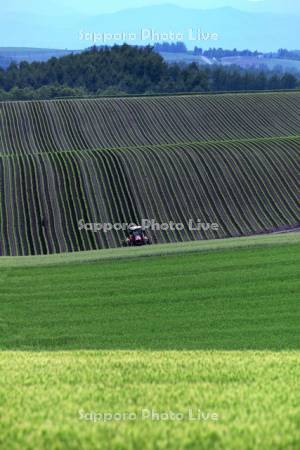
(136,237)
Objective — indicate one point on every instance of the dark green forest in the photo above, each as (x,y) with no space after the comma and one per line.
(122,70)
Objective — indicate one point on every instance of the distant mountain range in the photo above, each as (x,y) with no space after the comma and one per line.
(96,7)
(267,6)
(253,29)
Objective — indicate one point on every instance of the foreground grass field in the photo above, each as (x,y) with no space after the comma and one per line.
(215,330)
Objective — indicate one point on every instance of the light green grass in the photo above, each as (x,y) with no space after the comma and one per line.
(217,329)
(255,394)
(153,250)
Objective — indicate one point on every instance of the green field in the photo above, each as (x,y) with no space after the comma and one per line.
(212,326)
(230,159)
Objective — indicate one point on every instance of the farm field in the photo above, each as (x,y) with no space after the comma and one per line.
(31,127)
(230,160)
(215,329)
(146,251)
(242,61)
(19,54)
(271,63)
(184,58)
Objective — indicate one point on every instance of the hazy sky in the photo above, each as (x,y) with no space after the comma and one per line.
(94,7)
(98,6)
(59,23)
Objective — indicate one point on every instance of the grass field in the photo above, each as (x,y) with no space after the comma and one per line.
(214,328)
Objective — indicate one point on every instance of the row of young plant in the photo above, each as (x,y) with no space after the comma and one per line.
(244,188)
(35,127)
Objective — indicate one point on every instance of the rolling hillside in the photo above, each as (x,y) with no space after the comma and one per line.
(226,159)
(36,127)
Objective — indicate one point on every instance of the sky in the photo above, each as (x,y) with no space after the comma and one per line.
(54,7)
(62,23)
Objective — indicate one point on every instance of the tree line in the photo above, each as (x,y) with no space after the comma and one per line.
(218,53)
(125,69)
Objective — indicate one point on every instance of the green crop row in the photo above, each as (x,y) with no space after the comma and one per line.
(245,188)
(35,127)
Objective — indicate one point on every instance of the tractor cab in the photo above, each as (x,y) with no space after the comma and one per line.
(136,236)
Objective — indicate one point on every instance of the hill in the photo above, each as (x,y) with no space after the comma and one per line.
(9,55)
(229,160)
(288,65)
(127,69)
